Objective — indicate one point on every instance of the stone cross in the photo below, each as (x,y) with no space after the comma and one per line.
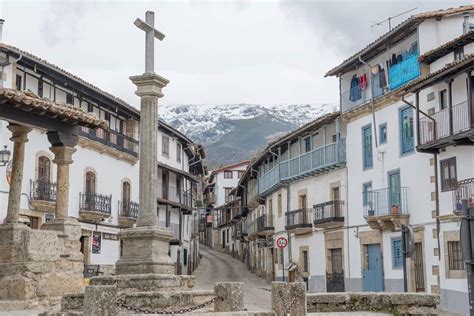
(151,33)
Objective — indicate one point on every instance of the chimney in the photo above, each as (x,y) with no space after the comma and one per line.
(1,30)
(466,23)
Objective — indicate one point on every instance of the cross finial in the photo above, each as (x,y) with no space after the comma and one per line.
(150,34)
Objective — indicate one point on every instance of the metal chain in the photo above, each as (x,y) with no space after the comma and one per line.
(121,304)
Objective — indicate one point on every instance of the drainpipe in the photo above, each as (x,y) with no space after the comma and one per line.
(371,102)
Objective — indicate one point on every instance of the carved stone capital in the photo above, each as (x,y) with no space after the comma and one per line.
(58,139)
(19,133)
(63,154)
(149,84)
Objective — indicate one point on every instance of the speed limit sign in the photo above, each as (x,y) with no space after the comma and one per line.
(281,242)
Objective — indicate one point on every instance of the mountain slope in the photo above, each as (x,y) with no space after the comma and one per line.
(236,132)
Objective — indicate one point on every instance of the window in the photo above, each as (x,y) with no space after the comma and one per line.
(40,87)
(165,147)
(168,217)
(44,169)
(397,255)
(459,53)
(90,183)
(185,256)
(178,152)
(383,133)
(305,260)
(279,205)
(302,201)
(406,130)
(307,144)
(367,146)
(443,99)
(270,207)
(240,174)
(448,174)
(90,108)
(69,98)
(456,261)
(227,194)
(366,188)
(227,174)
(126,194)
(18,82)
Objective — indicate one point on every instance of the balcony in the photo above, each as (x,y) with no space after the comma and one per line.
(319,160)
(43,195)
(128,213)
(329,214)
(464,193)
(112,139)
(94,207)
(264,225)
(446,128)
(386,209)
(299,221)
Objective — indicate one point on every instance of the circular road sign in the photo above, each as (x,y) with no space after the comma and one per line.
(281,242)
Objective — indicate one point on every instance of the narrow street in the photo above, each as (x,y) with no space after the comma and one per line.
(220,267)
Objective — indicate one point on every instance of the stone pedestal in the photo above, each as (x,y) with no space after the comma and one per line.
(289,298)
(100,300)
(231,297)
(39,265)
(145,250)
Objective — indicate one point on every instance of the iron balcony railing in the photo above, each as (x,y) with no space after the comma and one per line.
(387,201)
(438,126)
(113,139)
(128,209)
(264,222)
(298,218)
(464,193)
(95,202)
(42,190)
(305,164)
(328,211)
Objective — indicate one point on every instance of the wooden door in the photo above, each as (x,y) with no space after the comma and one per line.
(419,268)
(373,275)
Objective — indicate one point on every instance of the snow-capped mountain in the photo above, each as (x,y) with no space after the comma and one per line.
(235,132)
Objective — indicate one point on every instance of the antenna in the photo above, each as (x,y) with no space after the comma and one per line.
(389,19)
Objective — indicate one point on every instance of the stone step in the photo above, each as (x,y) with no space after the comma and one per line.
(146,282)
(166,299)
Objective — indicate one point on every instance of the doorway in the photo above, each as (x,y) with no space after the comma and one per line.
(419,268)
(373,274)
(335,273)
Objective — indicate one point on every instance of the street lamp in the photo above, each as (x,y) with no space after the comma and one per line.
(4,156)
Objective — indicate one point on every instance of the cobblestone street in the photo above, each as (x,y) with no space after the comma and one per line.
(219,267)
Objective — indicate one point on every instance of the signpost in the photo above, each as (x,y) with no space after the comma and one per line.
(281,242)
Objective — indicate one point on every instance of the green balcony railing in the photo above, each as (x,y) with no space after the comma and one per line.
(315,161)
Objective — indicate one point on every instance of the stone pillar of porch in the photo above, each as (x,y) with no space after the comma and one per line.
(19,137)
(62,158)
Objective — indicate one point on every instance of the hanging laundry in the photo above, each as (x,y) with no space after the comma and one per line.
(354,93)
(363,82)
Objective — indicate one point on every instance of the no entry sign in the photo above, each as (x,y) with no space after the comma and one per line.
(281,242)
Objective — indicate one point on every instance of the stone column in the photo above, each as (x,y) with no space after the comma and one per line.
(230,297)
(289,298)
(149,87)
(19,137)
(62,158)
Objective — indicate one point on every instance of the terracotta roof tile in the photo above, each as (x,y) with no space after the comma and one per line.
(27,99)
(465,39)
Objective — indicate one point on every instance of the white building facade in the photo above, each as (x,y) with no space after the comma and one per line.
(104,177)
(396,175)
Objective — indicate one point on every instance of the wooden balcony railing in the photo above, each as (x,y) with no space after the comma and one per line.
(113,139)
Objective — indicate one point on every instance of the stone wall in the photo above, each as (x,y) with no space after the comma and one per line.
(395,303)
(38,265)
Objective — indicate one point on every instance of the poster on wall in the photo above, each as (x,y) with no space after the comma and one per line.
(96,241)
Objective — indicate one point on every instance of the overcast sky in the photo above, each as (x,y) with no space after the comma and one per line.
(215,52)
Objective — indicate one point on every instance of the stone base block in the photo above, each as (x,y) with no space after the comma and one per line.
(145,250)
(231,297)
(100,300)
(289,298)
(38,266)
(145,282)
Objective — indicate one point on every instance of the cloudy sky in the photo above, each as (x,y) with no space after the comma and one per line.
(215,52)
